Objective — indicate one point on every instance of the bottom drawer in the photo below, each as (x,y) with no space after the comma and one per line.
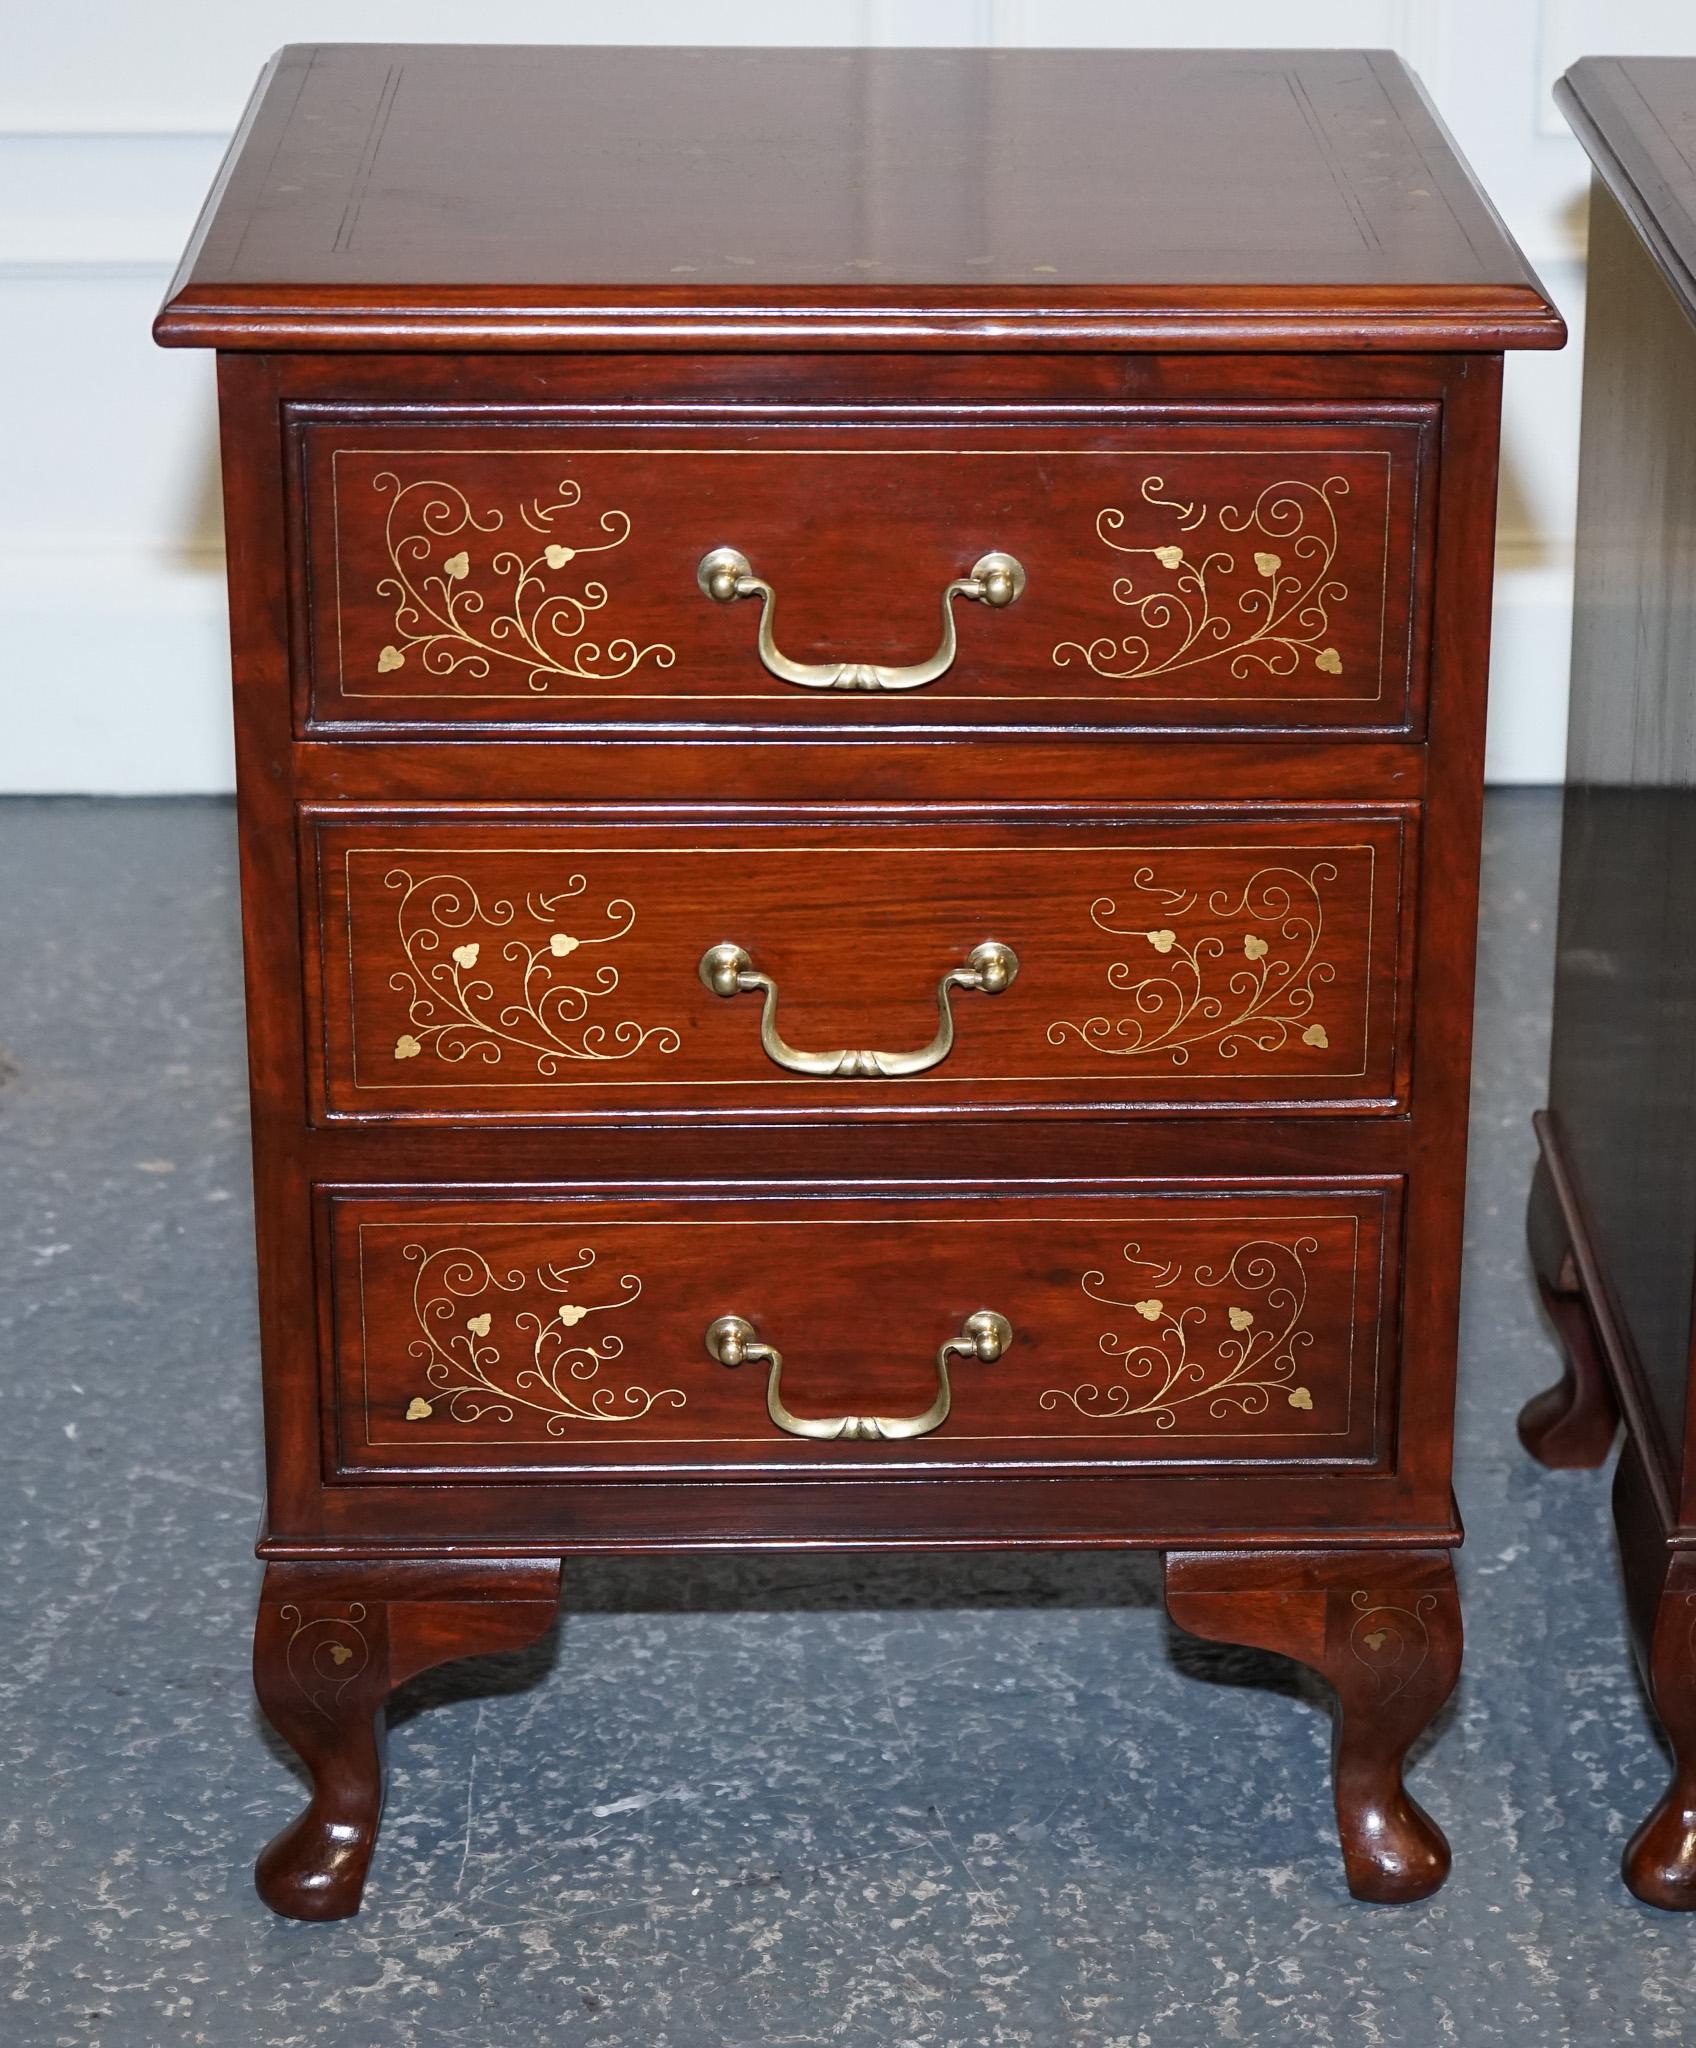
(759,1331)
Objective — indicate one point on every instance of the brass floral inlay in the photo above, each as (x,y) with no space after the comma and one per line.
(324,1656)
(553,1373)
(502,989)
(1223,1354)
(1253,988)
(1201,608)
(452,617)
(1392,1642)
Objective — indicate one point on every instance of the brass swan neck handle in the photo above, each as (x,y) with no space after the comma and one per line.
(725,575)
(728,971)
(732,1340)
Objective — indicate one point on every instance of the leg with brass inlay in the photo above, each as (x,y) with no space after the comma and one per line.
(1383,1627)
(332,1642)
(1572,1424)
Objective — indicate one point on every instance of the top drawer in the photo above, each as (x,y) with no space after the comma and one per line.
(1255,573)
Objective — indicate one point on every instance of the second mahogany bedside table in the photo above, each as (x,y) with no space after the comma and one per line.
(1613,1201)
(860,690)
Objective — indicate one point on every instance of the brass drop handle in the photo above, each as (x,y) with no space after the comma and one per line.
(728,971)
(725,575)
(733,1339)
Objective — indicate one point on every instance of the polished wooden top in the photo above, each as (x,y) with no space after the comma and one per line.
(1637,118)
(500,196)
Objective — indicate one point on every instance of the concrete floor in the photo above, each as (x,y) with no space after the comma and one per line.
(883,1805)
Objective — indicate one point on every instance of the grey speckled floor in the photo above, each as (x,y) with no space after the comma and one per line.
(905,1804)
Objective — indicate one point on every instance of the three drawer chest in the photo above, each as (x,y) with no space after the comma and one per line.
(859,688)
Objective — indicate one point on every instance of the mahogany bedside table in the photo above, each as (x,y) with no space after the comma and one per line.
(1613,1203)
(860,697)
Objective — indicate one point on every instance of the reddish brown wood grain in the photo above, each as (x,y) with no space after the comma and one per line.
(1247,1324)
(544,965)
(331,1643)
(1057,766)
(449,198)
(1386,1633)
(1217,570)
(1033,322)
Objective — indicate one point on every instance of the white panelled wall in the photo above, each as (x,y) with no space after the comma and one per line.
(114,669)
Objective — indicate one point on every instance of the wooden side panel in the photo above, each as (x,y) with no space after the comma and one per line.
(1190,1325)
(1623,1073)
(1222,570)
(538,967)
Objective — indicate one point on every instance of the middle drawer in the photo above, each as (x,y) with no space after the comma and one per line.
(557,963)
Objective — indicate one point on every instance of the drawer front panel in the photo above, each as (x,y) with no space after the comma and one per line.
(1200,1325)
(530,968)
(1219,572)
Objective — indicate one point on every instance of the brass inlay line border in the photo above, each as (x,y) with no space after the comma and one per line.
(1357,1281)
(1167,455)
(935,1079)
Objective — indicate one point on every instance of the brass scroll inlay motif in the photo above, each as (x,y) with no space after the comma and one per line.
(1253,988)
(1261,604)
(461,609)
(1392,1642)
(1221,1354)
(476,985)
(324,1656)
(471,1376)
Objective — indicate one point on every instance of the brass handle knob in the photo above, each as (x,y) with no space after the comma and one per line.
(728,971)
(725,575)
(733,1340)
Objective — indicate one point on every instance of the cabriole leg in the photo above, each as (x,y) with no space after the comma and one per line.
(1570,1425)
(1660,1585)
(331,1643)
(1383,1627)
